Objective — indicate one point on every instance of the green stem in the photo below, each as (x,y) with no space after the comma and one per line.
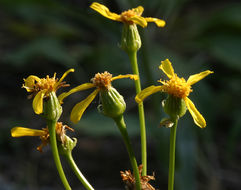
(53,143)
(122,127)
(133,60)
(172,157)
(77,172)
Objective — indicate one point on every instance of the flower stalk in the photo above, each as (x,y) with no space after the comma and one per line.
(171,173)
(122,127)
(53,142)
(77,172)
(134,64)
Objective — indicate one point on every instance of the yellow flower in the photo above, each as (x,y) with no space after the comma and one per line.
(132,16)
(43,134)
(41,87)
(101,81)
(177,87)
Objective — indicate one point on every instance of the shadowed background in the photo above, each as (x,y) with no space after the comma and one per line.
(43,37)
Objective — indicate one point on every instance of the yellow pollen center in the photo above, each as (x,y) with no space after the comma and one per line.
(177,87)
(102,80)
(46,83)
(126,15)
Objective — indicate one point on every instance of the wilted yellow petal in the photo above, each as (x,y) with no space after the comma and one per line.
(166,67)
(158,22)
(133,77)
(147,92)
(104,11)
(139,20)
(22,131)
(138,10)
(64,75)
(197,77)
(79,108)
(197,117)
(81,87)
(30,82)
(38,102)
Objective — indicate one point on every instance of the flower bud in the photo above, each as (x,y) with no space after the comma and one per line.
(113,104)
(130,39)
(52,109)
(175,107)
(67,146)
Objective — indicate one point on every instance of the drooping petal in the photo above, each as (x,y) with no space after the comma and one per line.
(64,75)
(197,77)
(81,87)
(22,131)
(79,108)
(38,102)
(147,92)
(131,76)
(138,10)
(104,11)
(30,82)
(158,22)
(197,117)
(166,67)
(139,20)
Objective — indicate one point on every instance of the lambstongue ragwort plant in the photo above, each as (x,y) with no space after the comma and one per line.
(131,43)
(112,104)
(178,90)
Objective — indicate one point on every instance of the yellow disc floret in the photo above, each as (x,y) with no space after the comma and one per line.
(46,83)
(126,15)
(102,80)
(177,87)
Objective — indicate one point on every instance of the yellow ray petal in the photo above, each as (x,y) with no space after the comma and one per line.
(64,75)
(197,117)
(22,131)
(138,10)
(166,67)
(147,92)
(133,77)
(30,82)
(85,86)
(158,22)
(197,77)
(104,11)
(79,108)
(38,102)
(139,20)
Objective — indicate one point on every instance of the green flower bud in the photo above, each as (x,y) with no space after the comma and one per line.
(130,39)
(113,104)
(52,109)
(67,146)
(175,107)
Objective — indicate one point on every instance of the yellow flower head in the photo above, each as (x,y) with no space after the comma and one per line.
(177,87)
(101,81)
(41,87)
(43,134)
(132,16)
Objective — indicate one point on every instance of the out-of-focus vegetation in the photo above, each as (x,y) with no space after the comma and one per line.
(42,37)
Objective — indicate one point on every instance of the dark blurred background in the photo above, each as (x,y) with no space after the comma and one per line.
(41,37)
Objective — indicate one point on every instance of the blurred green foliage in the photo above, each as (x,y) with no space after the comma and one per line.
(43,37)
